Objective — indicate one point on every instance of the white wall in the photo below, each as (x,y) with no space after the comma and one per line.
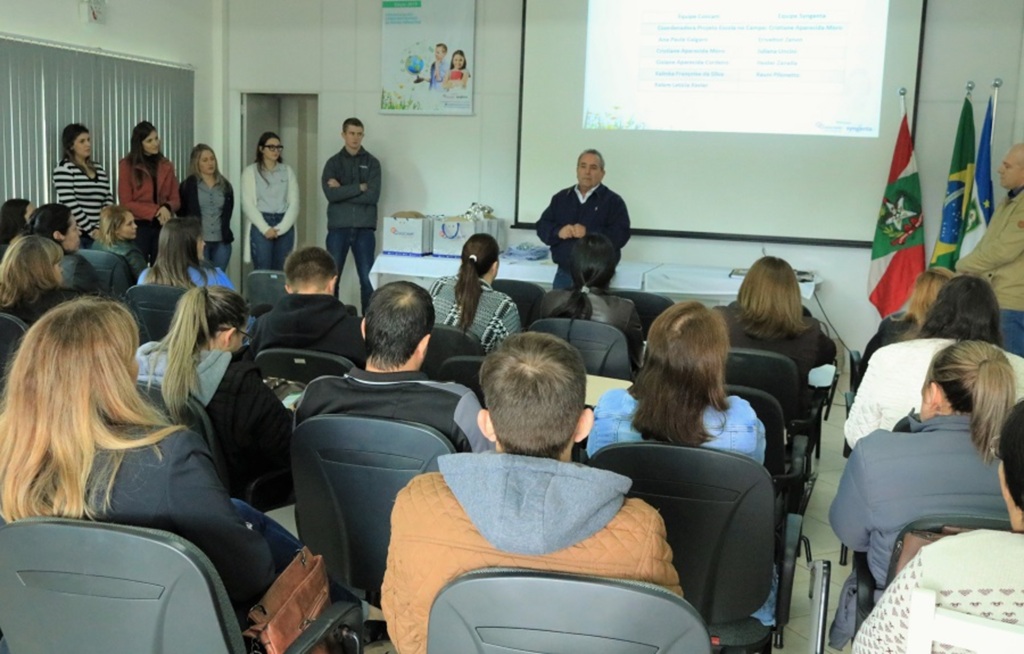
(183,32)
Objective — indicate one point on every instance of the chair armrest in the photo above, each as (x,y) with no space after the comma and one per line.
(787,567)
(271,490)
(865,587)
(794,482)
(335,616)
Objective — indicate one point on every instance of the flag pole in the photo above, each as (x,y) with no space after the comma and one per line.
(903,101)
(996,83)
(970,87)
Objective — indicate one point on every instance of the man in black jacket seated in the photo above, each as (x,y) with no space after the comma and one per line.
(310,317)
(397,330)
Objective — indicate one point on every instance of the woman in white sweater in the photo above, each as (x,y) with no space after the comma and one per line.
(966,309)
(270,202)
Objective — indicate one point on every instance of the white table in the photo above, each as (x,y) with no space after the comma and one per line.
(703,282)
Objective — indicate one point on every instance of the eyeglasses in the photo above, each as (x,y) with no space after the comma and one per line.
(244,333)
(276,148)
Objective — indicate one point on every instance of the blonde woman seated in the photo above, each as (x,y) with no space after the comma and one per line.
(179,260)
(962,570)
(767,315)
(200,357)
(945,463)
(116,235)
(679,393)
(900,326)
(31,279)
(103,453)
(468,301)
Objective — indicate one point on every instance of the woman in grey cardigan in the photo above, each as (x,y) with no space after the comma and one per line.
(943,462)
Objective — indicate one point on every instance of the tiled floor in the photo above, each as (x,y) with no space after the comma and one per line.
(824,544)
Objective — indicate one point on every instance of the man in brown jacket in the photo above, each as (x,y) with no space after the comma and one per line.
(527,506)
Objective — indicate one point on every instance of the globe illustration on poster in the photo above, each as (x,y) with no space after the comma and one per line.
(414,64)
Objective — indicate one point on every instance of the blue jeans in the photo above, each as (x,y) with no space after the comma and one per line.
(562,281)
(219,254)
(1012,323)
(362,241)
(270,254)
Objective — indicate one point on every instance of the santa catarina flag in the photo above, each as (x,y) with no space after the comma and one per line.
(897,255)
(979,211)
(958,192)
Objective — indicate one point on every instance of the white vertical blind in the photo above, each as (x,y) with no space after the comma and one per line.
(43,87)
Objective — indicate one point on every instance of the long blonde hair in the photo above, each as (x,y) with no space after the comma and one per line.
(178,253)
(926,289)
(29,269)
(112,218)
(769,300)
(70,410)
(200,314)
(977,379)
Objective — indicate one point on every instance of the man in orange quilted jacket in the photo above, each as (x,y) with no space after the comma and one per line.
(525,506)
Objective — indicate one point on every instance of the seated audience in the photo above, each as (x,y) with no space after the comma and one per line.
(397,331)
(527,506)
(767,315)
(965,310)
(944,464)
(963,569)
(179,260)
(30,278)
(679,393)
(199,358)
(903,325)
(116,234)
(105,454)
(468,302)
(55,222)
(593,265)
(14,214)
(310,317)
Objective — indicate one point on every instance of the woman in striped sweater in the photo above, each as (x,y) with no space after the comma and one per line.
(81,184)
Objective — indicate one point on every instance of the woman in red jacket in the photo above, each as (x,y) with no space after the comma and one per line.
(147,185)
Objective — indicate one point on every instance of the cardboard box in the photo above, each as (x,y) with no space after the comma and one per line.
(450,234)
(407,233)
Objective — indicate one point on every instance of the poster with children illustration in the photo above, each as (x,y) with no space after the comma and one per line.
(427,57)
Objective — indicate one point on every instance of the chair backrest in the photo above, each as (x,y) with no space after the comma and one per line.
(604,348)
(494,611)
(300,365)
(80,586)
(526,295)
(11,331)
(112,270)
(447,342)
(769,412)
(718,509)
(153,306)
(648,306)
(464,370)
(856,369)
(941,525)
(264,287)
(198,420)
(348,470)
(929,623)
(771,372)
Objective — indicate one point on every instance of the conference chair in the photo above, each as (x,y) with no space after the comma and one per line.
(90,587)
(264,287)
(348,470)
(648,305)
(719,518)
(153,306)
(464,370)
(526,295)
(112,270)
(777,374)
(301,366)
(497,610)
(604,348)
(11,331)
(856,369)
(447,342)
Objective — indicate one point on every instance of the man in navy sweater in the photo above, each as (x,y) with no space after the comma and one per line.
(578,210)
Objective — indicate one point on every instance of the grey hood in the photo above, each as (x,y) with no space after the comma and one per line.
(530,505)
(212,365)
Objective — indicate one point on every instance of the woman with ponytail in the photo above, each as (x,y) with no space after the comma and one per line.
(201,358)
(944,464)
(468,301)
(594,258)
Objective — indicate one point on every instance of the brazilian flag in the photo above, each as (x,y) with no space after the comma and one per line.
(958,192)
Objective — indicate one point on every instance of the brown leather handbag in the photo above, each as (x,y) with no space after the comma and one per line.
(296,598)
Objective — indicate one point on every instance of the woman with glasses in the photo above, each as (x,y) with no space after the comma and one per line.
(270,202)
(201,358)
